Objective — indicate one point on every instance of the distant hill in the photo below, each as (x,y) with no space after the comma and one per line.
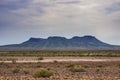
(62,43)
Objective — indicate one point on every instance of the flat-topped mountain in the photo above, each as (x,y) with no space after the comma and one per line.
(56,42)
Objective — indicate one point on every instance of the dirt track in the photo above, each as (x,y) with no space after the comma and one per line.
(59,59)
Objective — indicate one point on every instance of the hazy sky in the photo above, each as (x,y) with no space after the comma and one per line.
(22,19)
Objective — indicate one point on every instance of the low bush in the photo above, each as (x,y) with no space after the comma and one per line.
(42,72)
(70,65)
(40,58)
(16,70)
(55,61)
(26,71)
(77,69)
(1,63)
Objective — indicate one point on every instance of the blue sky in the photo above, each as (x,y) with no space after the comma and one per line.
(22,19)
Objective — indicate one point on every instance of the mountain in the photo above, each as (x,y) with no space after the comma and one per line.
(62,43)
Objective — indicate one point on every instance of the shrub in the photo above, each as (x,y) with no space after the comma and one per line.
(42,73)
(40,58)
(26,72)
(77,69)
(16,70)
(97,70)
(85,66)
(38,65)
(70,65)
(99,66)
(55,61)
(1,63)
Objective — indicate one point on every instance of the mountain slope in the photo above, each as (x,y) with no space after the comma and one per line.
(85,42)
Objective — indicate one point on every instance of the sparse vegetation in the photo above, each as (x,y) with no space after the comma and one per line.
(16,70)
(1,63)
(59,70)
(26,71)
(65,71)
(70,65)
(77,69)
(55,61)
(97,70)
(99,53)
(42,73)
(40,58)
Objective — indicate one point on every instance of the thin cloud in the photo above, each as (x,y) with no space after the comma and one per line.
(42,18)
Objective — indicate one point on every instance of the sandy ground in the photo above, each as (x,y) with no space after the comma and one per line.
(59,59)
(96,68)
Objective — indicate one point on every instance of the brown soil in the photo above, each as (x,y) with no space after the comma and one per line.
(100,70)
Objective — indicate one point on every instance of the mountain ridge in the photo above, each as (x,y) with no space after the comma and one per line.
(56,42)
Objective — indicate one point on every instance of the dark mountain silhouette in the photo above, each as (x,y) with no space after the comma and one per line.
(61,43)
